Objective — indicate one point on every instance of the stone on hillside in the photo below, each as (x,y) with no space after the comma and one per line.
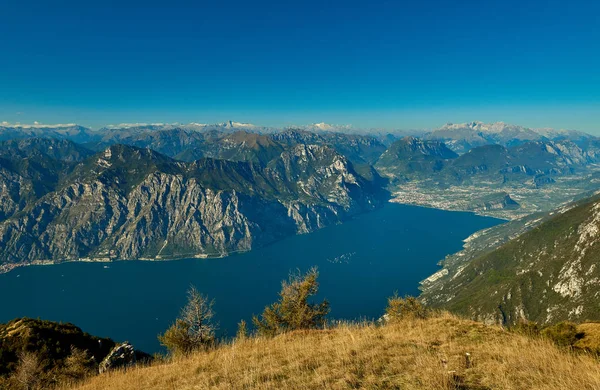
(121,356)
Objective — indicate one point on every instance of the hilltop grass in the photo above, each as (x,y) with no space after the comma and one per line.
(410,353)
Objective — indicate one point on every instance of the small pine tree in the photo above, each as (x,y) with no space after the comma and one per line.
(177,338)
(293,310)
(242,331)
(408,307)
(194,329)
(78,365)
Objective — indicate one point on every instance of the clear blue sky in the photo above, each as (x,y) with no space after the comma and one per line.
(392,64)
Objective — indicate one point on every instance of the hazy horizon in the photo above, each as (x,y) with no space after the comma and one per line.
(213,120)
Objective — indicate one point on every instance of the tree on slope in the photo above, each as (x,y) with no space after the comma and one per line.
(194,329)
(293,310)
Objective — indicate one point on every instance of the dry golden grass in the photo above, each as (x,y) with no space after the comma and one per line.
(411,354)
(591,338)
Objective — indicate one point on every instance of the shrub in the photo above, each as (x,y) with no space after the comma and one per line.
(79,365)
(563,334)
(176,339)
(527,328)
(293,311)
(408,307)
(194,329)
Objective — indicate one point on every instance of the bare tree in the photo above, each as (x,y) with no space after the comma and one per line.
(29,369)
(198,314)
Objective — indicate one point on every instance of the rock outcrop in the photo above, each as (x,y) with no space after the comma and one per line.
(121,356)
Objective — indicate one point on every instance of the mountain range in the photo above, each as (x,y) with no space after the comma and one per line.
(413,158)
(462,137)
(536,175)
(160,191)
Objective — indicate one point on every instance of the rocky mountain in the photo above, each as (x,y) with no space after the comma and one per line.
(530,159)
(518,180)
(547,272)
(189,145)
(43,148)
(228,126)
(113,134)
(183,143)
(462,137)
(410,157)
(424,159)
(31,168)
(497,178)
(360,149)
(385,135)
(130,203)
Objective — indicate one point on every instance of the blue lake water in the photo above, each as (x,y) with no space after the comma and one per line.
(361,262)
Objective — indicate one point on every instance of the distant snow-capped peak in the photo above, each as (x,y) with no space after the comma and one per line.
(138,124)
(495,127)
(327,127)
(322,126)
(237,125)
(501,127)
(37,125)
(191,125)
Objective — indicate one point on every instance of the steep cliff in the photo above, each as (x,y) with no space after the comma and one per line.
(131,203)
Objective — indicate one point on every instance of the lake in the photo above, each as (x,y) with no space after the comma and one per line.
(361,262)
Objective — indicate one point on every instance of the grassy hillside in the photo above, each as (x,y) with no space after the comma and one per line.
(547,275)
(408,354)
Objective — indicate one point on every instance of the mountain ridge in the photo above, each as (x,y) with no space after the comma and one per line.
(545,273)
(464,136)
(132,203)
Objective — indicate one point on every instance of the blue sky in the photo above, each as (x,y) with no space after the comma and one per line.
(390,64)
